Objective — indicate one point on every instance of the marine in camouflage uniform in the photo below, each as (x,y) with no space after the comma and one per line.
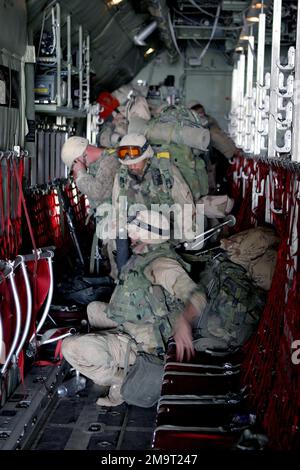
(219,139)
(153,290)
(93,168)
(158,182)
(222,147)
(94,174)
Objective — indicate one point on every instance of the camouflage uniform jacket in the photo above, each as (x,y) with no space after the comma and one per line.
(162,183)
(153,289)
(97,184)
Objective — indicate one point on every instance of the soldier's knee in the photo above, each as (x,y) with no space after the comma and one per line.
(69,348)
(97,316)
(94,310)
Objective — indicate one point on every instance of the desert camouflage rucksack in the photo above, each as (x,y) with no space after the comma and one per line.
(234,306)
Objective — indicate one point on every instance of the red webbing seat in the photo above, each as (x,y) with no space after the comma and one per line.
(268,371)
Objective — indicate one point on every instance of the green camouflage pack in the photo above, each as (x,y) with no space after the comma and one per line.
(191,167)
(234,306)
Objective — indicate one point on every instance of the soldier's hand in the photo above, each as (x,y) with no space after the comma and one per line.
(183,339)
(78,165)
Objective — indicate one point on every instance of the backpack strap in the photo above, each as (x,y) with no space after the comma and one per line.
(164,165)
(127,354)
(123,176)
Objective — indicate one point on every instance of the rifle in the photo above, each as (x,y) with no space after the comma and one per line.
(68,210)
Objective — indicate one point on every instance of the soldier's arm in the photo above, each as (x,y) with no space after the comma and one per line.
(98,188)
(222,141)
(212,121)
(87,184)
(169,274)
(182,195)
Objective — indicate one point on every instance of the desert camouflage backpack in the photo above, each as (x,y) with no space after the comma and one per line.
(234,306)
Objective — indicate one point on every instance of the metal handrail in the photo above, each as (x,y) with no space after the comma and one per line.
(18,319)
(49,297)
(20,260)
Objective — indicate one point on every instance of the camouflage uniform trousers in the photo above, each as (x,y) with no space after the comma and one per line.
(101,356)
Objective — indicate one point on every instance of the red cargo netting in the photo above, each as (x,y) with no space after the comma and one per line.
(44,210)
(234,178)
(240,176)
(49,206)
(282,416)
(248,180)
(271,376)
(259,211)
(78,203)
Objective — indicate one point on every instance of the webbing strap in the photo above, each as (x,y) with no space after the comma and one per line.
(22,198)
(21,364)
(8,219)
(127,355)
(2,227)
(21,172)
(261,179)
(244,219)
(19,203)
(233,173)
(93,253)
(25,208)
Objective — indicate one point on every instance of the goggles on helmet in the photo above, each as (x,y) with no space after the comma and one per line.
(131,151)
